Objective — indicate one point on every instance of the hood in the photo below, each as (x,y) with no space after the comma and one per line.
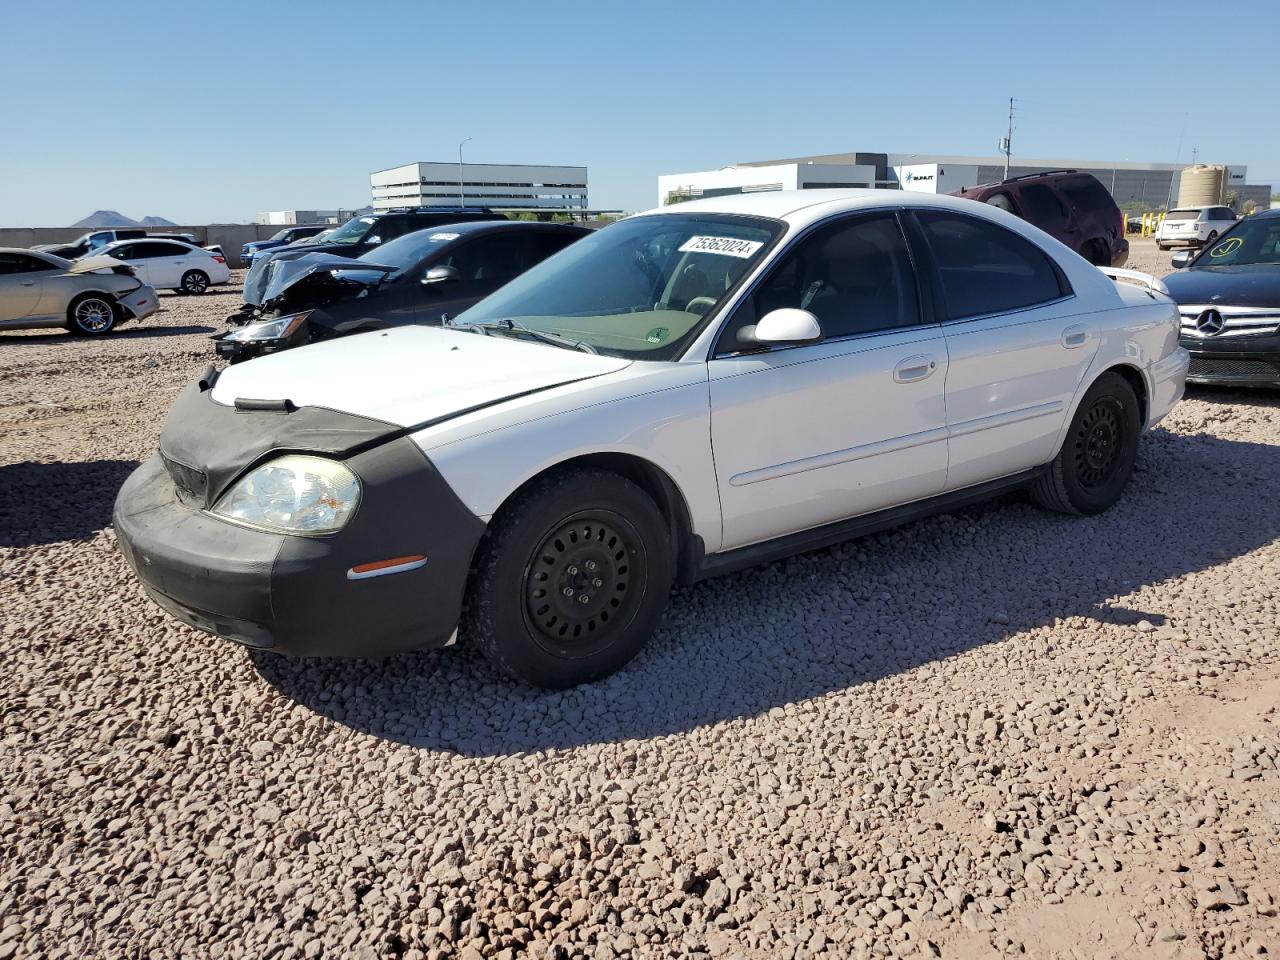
(1243,285)
(409,376)
(263,287)
(94,264)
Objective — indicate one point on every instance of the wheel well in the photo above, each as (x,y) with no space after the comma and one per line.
(101,295)
(1139,384)
(653,480)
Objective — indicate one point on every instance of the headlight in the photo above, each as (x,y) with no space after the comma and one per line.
(270,329)
(293,494)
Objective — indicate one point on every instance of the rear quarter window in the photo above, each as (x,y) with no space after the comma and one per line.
(1086,193)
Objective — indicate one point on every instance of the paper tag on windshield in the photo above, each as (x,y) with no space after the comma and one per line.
(726,246)
(443,237)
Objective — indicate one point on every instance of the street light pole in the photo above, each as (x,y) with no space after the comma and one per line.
(462,194)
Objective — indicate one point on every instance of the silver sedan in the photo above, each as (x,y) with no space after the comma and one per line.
(88,297)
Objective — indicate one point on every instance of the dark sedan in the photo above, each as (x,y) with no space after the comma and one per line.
(425,277)
(1229,299)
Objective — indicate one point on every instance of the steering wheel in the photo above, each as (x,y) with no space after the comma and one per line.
(700,305)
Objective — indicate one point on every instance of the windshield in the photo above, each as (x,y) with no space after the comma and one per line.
(1251,241)
(1182,214)
(406,251)
(351,232)
(639,288)
(282,234)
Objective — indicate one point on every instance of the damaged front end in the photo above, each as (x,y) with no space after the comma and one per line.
(285,300)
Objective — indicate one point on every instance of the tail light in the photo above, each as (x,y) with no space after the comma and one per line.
(219,259)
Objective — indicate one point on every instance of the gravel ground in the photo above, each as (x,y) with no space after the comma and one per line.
(997,731)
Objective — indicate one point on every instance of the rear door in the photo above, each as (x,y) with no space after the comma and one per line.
(166,261)
(1017,353)
(814,433)
(21,283)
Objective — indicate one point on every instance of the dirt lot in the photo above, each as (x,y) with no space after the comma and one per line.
(998,731)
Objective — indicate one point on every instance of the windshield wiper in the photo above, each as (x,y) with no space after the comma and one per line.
(507,325)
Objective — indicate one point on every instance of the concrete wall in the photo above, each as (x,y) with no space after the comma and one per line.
(231,236)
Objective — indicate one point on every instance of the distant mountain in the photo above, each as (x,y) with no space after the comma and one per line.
(105,218)
(100,219)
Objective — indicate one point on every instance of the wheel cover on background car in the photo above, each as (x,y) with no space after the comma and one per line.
(94,315)
(584,583)
(195,282)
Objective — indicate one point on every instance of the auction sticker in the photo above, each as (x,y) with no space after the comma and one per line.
(725,246)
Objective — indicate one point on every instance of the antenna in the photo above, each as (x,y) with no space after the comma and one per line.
(1006,143)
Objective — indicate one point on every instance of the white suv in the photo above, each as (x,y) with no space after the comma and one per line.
(1194,226)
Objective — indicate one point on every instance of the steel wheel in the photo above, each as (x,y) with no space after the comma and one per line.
(195,281)
(584,575)
(1097,443)
(93,315)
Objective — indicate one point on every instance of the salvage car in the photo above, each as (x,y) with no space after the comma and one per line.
(698,389)
(1229,298)
(423,277)
(88,297)
(281,238)
(1194,226)
(1070,205)
(171,264)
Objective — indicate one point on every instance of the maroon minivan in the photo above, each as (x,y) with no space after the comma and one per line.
(1069,205)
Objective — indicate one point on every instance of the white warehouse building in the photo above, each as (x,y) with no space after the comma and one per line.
(509,188)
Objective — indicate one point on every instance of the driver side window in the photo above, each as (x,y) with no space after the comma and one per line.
(855,276)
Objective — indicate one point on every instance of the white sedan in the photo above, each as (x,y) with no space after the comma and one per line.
(171,264)
(701,388)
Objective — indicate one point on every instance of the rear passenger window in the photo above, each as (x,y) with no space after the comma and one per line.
(1087,193)
(1041,204)
(985,268)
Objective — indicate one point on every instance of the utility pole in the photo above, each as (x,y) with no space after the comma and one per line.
(1006,145)
(462,193)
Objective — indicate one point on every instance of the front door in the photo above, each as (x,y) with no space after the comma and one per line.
(815,433)
(1018,351)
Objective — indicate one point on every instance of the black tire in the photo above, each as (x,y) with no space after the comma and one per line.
(1096,461)
(1096,253)
(1213,235)
(92,315)
(572,579)
(1162,246)
(194,282)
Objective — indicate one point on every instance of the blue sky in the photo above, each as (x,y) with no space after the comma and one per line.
(215,111)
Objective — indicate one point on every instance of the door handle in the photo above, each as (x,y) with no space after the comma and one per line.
(28,283)
(1075,336)
(919,367)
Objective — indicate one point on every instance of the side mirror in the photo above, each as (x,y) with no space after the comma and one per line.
(1182,258)
(782,327)
(440,274)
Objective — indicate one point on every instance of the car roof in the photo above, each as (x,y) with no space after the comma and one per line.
(799,207)
(115,244)
(468,227)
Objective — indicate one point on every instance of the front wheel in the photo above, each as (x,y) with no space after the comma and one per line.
(195,282)
(572,580)
(1097,457)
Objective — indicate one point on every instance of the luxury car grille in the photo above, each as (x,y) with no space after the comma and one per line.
(1232,369)
(188,480)
(1205,320)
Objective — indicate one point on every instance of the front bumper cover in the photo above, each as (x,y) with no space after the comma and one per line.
(294,594)
(1234,361)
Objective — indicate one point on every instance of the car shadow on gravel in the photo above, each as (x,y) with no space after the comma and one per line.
(52,502)
(736,647)
(125,333)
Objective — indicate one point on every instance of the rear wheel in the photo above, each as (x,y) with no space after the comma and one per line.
(1096,253)
(1162,246)
(1213,235)
(572,580)
(195,282)
(1096,460)
(91,315)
